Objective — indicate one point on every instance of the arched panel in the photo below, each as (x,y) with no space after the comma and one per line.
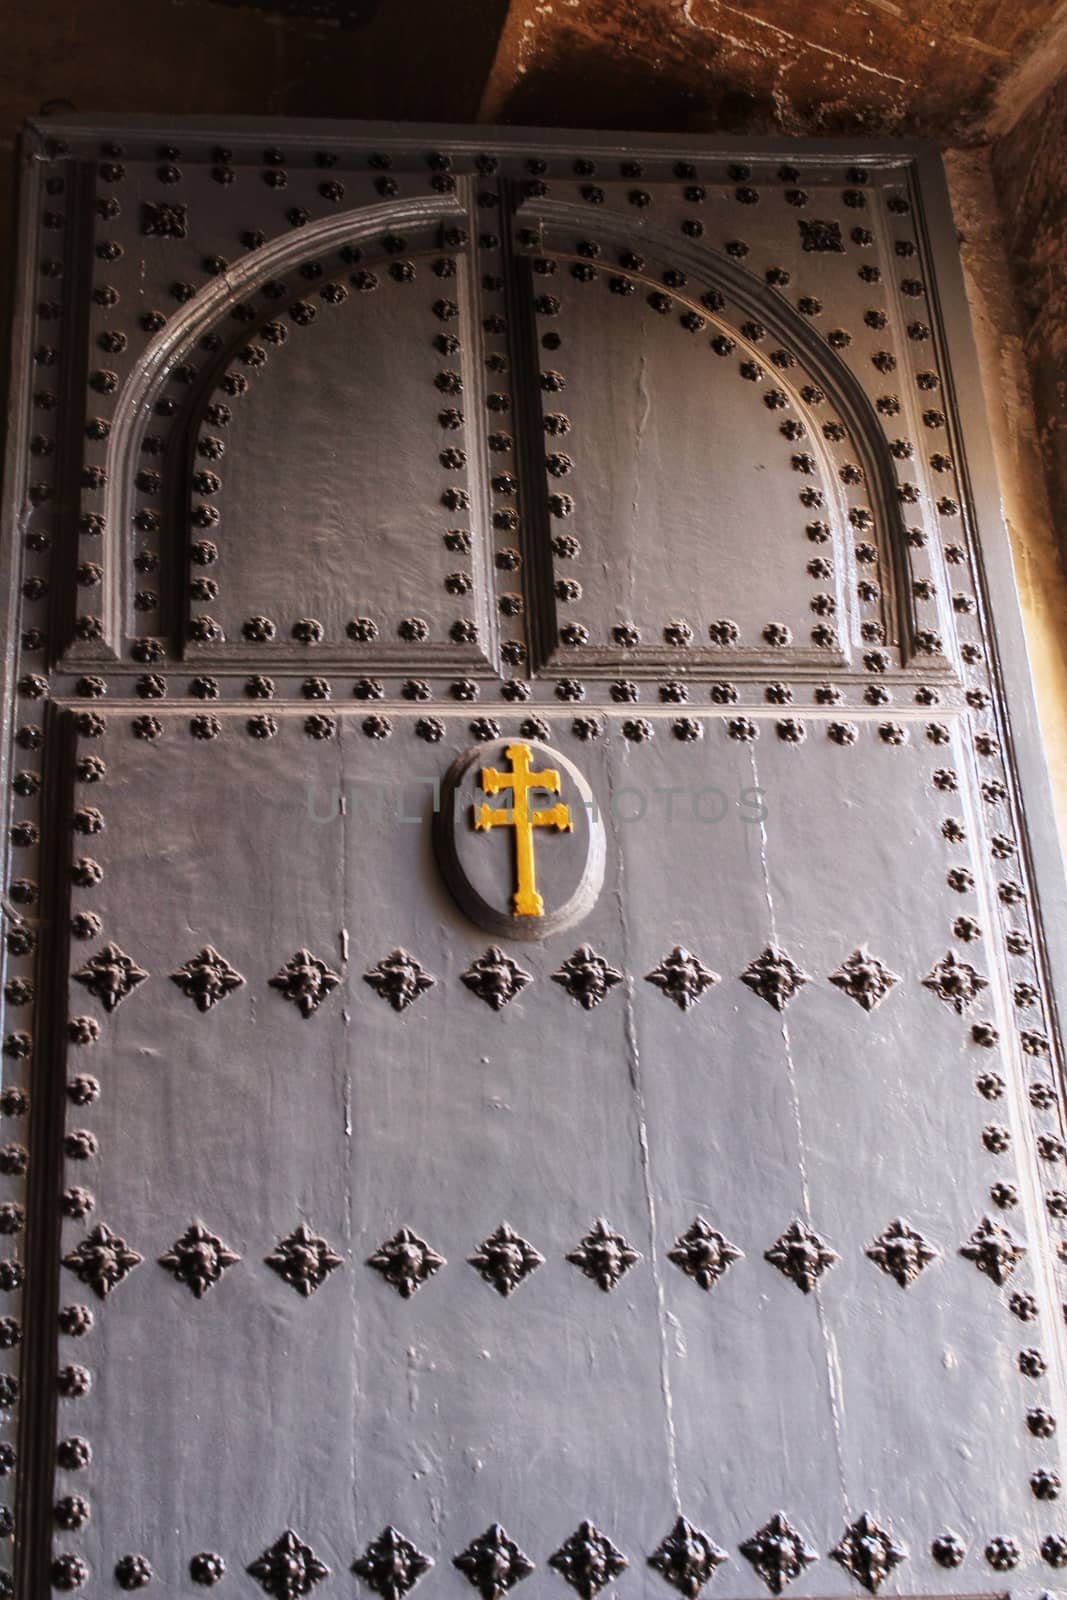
(769,521)
(331,467)
(335,357)
(680,491)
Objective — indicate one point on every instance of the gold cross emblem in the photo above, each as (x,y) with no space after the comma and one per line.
(525,902)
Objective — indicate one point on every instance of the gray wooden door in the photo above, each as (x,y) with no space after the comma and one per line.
(657,1178)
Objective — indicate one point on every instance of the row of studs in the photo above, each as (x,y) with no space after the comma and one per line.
(20,940)
(391,1565)
(226,165)
(117,348)
(621,691)
(168,220)
(102,1260)
(1012,900)
(637,730)
(111,976)
(507,492)
(1044,1102)
(74,1380)
(927,383)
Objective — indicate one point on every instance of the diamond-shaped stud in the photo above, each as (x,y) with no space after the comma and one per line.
(406,1261)
(687,1558)
(587,977)
(305,980)
(801,1255)
(198,1259)
(868,1552)
(391,1564)
(493,1563)
(993,1250)
(505,1258)
(207,978)
(955,982)
(681,977)
(102,1260)
(778,1552)
(289,1568)
(775,977)
(604,1255)
(110,975)
(495,978)
(399,978)
(864,978)
(303,1260)
(703,1253)
(588,1560)
(901,1252)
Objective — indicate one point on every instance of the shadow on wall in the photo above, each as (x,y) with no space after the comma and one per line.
(575,83)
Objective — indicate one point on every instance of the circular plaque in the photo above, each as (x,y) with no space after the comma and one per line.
(519,838)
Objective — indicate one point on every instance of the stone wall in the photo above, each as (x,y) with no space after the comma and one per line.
(1029,164)
(1008,363)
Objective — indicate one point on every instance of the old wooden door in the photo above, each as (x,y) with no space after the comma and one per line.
(529,1054)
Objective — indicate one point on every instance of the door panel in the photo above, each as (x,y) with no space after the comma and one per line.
(731,1193)
(289,452)
(666,478)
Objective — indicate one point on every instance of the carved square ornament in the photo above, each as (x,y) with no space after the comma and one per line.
(864,979)
(288,1568)
(604,1255)
(198,1259)
(304,1260)
(102,1260)
(111,976)
(406,1262)
(391,1565)
(493,1563)
(800,1254)
(682,977)
(703,1254)
(902,1252)
(687,1558)
(778,1552)
(588,1560)
(775,977)
(505,1259)
(207,978)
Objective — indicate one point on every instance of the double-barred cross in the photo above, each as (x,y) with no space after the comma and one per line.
(525,902)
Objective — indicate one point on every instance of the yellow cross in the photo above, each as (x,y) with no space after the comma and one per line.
(525,902)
